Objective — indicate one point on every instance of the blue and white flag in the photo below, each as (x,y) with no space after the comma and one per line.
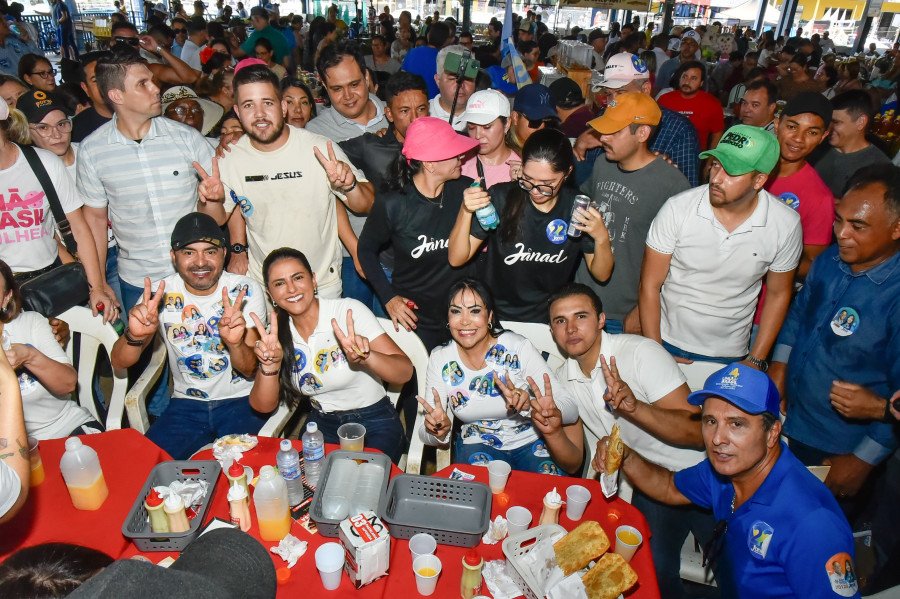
(508,48)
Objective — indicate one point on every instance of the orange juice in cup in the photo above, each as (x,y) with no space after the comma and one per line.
(37,465)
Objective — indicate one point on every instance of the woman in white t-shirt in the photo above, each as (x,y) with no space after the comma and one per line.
(332,351)
(46,377)
(487,118)
(482,375)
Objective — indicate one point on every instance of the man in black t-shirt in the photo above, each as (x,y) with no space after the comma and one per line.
(89,120)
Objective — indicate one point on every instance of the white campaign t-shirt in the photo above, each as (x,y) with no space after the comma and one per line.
(10,487)
(651,373)
(321,370)
(200,364)
(27,225)
(477,402)
(47,416)
(711,291)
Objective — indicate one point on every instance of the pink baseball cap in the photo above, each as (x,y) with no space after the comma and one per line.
(248,62)
(431,139)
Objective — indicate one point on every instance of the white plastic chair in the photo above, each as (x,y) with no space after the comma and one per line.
(540,336)
(93,333)
(136,398)
(697,373)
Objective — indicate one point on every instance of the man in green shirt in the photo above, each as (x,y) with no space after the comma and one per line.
(259,19)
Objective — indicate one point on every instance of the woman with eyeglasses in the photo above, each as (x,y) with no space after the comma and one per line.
(266,53)
(299,103)
(37,72)
(531,254)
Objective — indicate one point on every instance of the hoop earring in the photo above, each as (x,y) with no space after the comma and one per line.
(315,291)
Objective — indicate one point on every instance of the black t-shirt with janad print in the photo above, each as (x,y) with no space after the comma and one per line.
(541,258)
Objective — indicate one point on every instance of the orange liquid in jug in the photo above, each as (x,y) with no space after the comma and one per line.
(275,530)
(91,497)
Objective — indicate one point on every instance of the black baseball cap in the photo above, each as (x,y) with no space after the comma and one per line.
(195,227)
(597,34)
(566,93)
(812,102)
(37,104)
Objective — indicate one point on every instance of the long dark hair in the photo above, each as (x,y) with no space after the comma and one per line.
(401,172)
(544,145)
(477,287)
(50,570)
(288,393)
(14,306)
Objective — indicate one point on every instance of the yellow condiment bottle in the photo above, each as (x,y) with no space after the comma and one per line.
(470,584)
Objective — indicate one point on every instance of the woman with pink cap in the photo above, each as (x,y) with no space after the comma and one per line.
(415,218)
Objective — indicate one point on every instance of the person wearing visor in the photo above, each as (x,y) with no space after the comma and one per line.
(780,532)
(415,217)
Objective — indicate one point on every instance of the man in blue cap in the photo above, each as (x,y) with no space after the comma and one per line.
(532,110)
(780,532)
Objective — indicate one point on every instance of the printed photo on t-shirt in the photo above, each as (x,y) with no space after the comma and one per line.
(299,360)
(174,302)
(841,574)
(452,373)
(191,313)
(457,399)
(845,321)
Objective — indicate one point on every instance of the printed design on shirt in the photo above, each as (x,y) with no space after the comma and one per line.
(469,431)
(509,361)
(236,290)
(192,392)
(491,441)
(309,383)
(609,194)
(428,244)
(22,219)
(845,321)
(539,449)
(174,302)
(191,313)
(27,383)
(495,354)
(201,353)
(299,360)
(331,357)
(758,538)
(556,231)
(243,203)
(479,458)
(237,377)
(548,467)
(458,400)
(192,366)
(452,373)
(484,385)
(178,334)
(841,574)
(523,255)
(790,199)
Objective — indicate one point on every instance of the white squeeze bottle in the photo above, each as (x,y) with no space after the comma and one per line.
(81,470)
(271,502)
(313,452)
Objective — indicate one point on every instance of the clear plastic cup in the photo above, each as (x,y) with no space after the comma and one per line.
(518,518)
(427,569)
(498,474)
(422,544)
(628,539)
(577,498)
(352,436)
(37,466)
(330,564)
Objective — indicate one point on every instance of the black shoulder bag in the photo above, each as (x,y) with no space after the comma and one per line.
(57,290)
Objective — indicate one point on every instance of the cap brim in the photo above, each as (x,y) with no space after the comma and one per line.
(732,165)
(479,118)
(615,83)
(698,397)
(605,125)
(540,114)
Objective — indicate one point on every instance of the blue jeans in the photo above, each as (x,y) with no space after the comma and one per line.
(530,458)
(189,424)
(359,289)
(613,327)
(112,276)
(383,429)
(159,397)
(680,353)
(670,526)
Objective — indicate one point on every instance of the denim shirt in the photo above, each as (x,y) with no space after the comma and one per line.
(842,326)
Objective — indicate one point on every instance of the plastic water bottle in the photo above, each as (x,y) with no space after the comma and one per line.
(288,461)
(487,216)
(313,452)
(81,470)
(272,510)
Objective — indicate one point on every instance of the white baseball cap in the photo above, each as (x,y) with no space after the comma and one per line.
(623,68)
(485,106)
(692,35)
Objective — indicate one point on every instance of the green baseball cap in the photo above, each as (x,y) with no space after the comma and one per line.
(744,149)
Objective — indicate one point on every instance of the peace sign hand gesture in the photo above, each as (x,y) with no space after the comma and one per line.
(232,325)
(143,319)
(618,394)
(516,399)
(211,188)
(340,175)
(436,421)
(355,347)
(267,349)
(545,415)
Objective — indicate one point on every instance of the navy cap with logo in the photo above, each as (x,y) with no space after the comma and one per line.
(195,227)
(742,386)
(534,102)
(37,104)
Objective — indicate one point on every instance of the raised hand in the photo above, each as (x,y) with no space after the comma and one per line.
(211,188)
(232,325)
(400,309)
(475,198)
(618,394)
(143,319)
(355,347)
(267,349)
(516,399)
(340,175)
(436,421)
(545,415)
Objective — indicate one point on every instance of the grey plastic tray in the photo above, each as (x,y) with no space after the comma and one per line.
(327,527)
(137,526)
(453,512)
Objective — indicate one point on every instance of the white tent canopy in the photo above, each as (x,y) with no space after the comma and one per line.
(748,11)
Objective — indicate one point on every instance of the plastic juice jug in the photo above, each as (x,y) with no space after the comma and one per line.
(81,470)
(270,499)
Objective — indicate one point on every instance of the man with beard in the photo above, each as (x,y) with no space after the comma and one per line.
(214,364)
(687,51)
(134,173)
(700,107)
(713,246)
(284,181)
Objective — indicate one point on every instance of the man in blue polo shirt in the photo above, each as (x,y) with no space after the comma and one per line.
(837,358)
(780,533)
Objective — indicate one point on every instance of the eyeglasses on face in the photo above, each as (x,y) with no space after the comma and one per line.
(183,111)
(545,190)
(131,41)
(45,74)
(179,30)
(45,130)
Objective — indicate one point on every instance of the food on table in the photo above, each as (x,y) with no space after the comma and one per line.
(576,550)
(610,577)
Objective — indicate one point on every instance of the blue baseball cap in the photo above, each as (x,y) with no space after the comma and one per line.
(534,101)
(742,386)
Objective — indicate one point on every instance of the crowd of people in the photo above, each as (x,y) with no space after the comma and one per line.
(709,196)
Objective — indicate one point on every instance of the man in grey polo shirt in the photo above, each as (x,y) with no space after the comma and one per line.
(353,110)
(136,172)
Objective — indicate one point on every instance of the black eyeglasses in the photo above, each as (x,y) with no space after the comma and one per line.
(713,549)
(537,124)
(178,30)
(545,190)
(131,41)
(44,74)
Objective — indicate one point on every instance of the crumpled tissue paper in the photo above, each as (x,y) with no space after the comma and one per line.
(291,549)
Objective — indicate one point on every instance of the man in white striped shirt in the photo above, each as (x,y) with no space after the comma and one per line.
(136,171)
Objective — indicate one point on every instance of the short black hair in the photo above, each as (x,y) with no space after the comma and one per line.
(856,102)
(438,34)
(256,73)
(196,25)
(112,68)
(402,81)
(885,174)
(333,54)
(686,66)
(571,289)
(771,90)
(526,47)
(123,25)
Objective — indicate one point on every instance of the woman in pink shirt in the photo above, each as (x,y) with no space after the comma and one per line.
(487,115)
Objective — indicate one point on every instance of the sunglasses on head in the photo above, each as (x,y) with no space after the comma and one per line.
(131,41)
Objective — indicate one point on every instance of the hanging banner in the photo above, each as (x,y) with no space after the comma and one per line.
(634,5)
